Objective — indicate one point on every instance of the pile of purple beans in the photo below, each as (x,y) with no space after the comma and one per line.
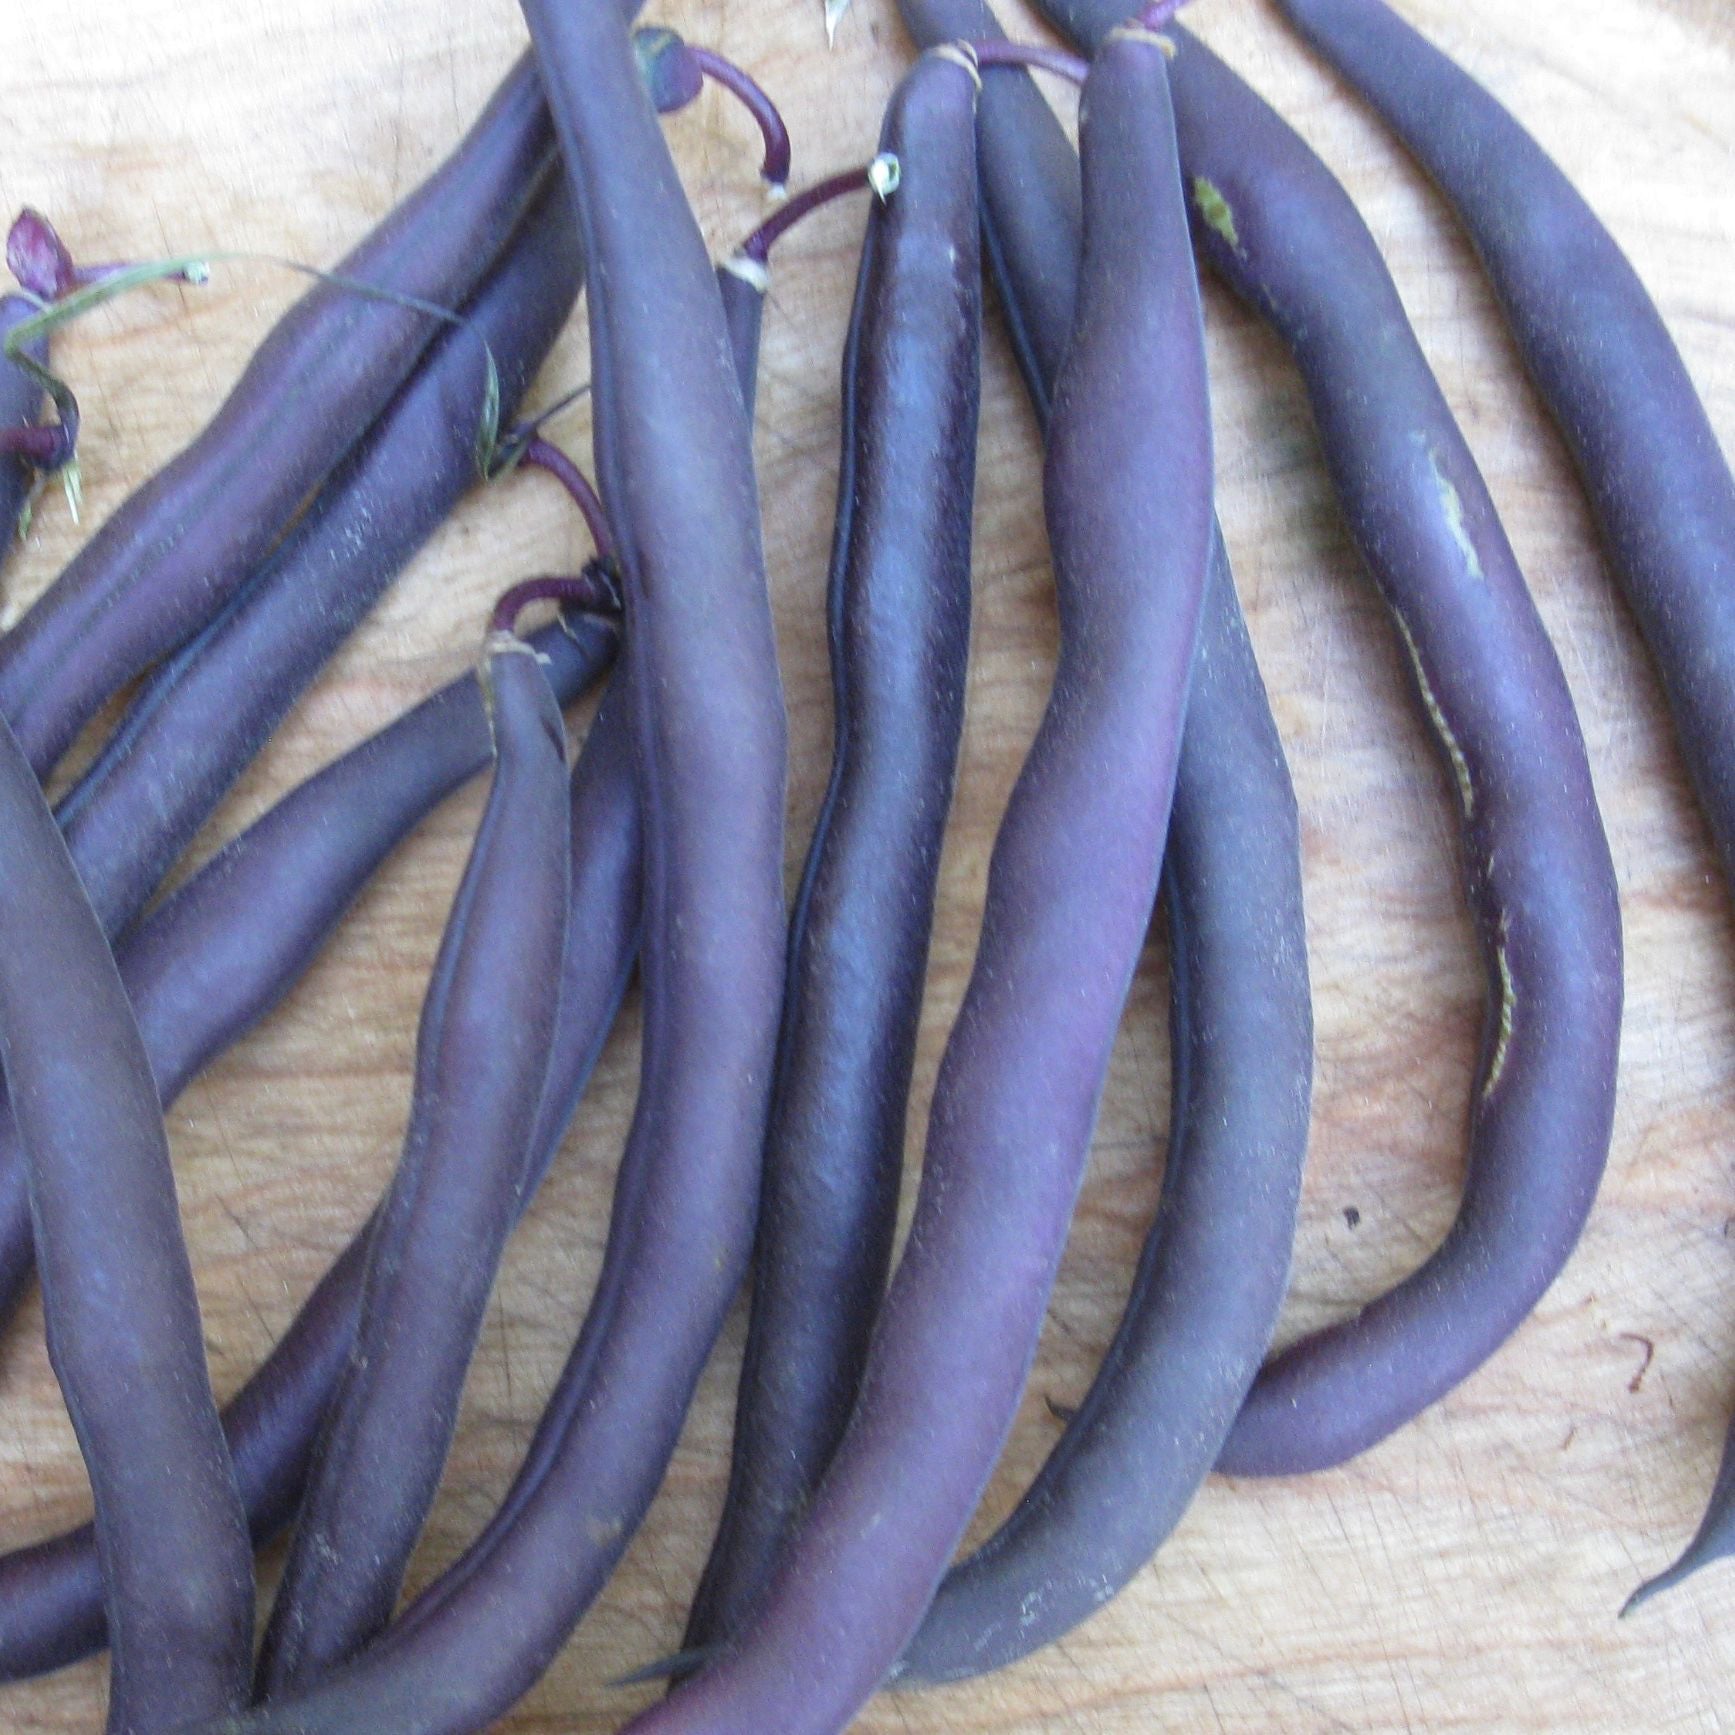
(778,1043)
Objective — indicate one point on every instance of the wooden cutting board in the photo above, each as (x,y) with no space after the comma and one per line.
(1467,1572)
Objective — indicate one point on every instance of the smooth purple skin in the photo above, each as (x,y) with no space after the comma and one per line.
(1279,228)
(222,952)
(20,407)
(707,732)
(1213,1270)
(1212,1274)
(671,73)
(1605,366)
(482,1060)
(182,544)
(207,712)
(899,634)
(1071,885)
(124,1334)
(1600,357)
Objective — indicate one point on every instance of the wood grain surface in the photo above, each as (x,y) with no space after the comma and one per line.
(1467,1572)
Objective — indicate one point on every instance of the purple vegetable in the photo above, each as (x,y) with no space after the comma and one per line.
(703,715)
(209,709)
(123,1320)
(482,1057)
(1282,232)
(899,625)
(169,558)
(1071,885)
(1211,1277)
(1605,365)
(218,955)
(205,714)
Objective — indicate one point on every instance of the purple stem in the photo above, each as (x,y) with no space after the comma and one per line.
(45,445)
(758,245)
(752,97)
(593,591)
(543,454)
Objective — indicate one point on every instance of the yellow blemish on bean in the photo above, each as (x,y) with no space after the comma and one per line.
(1455,753)
(1453,504)
(1216,210)
(1508,1003)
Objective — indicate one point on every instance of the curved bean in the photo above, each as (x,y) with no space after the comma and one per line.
(482,1056)
(1278,227)
(1211,1277)
(184,542)
(123,1320)
(707,731)
(217,956)
(207,712)
(1608,371)
(1071,886)
(899,630)
(209,709)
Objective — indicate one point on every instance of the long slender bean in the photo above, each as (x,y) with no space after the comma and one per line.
(1212,1274)
(707,732)
(123,1319)
(482,1058)
(50,1610)
(207,712)
(1071,887)
(1277,226)
(184,542)
(1605,366)
(899,629)
(210,708)
(219,954)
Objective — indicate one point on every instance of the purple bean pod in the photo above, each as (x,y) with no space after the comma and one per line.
(221,953)
(1279,228)
(1605,366)
(190,537)
(124,1334)
(1071,886)
(482,1057)
(707,732)
(209,709)
(1212,1274)
(207,712)
(899,634)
